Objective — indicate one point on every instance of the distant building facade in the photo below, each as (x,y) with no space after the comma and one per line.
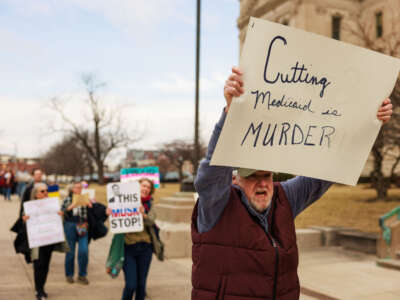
(18,163)
(141,158)
(136,158)
(338,19)
(331,18)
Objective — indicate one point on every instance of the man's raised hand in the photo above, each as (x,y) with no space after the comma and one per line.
(233,87)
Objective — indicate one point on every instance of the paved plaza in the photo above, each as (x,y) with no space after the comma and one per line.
(325,273)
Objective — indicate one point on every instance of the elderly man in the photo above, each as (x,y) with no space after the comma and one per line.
(244,239)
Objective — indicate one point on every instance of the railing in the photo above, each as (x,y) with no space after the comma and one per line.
(386,231)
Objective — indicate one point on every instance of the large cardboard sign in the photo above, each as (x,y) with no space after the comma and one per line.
(309,106)
(124,201)
(132,174)
(44,226)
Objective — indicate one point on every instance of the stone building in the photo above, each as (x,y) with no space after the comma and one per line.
(370,23)
(332,18)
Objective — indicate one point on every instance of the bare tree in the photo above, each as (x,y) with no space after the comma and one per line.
(103,131)
(163,163)
(64,157)
(179,151)
(393,151)
(386,146)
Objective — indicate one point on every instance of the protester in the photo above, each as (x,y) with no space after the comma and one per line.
(86,190)
(42,263)
(76,228)
(37,176)
(81,224)
(2,183)
(85,185)
(244,240)
(9,182)
(22,178)
(139,246)
(40,256)
(21,241)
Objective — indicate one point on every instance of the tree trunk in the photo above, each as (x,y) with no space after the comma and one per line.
(377,177)
(90,168)
(180,172)
(100,171)
(394,178)
(99,162)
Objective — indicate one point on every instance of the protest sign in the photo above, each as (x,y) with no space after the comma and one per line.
(124,201)
(151,173)
(80,200)
(44,226)
(309,106)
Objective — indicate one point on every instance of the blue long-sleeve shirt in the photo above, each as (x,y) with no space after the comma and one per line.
(213,184)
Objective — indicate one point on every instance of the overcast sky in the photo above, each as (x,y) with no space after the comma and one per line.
(143,49)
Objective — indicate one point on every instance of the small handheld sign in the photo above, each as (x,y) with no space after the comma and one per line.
(124,201)
(80,200)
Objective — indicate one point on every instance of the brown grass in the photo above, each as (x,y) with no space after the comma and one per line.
(348,206)
(341,206)
(166,190)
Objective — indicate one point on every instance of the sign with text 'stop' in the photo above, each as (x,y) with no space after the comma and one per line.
(309,106)
(124,201)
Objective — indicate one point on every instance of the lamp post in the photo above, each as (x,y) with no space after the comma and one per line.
(196,118)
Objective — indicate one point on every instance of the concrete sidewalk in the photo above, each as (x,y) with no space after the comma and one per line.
(325,273)
(167,280)
(347,275)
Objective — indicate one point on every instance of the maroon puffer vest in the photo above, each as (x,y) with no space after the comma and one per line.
(237,260)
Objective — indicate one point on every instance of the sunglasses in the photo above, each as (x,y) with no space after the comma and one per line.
(43,191)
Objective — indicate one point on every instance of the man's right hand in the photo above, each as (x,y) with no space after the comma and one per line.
(233,87)
(25,218)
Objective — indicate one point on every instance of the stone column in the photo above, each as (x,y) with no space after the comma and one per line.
(174,219)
